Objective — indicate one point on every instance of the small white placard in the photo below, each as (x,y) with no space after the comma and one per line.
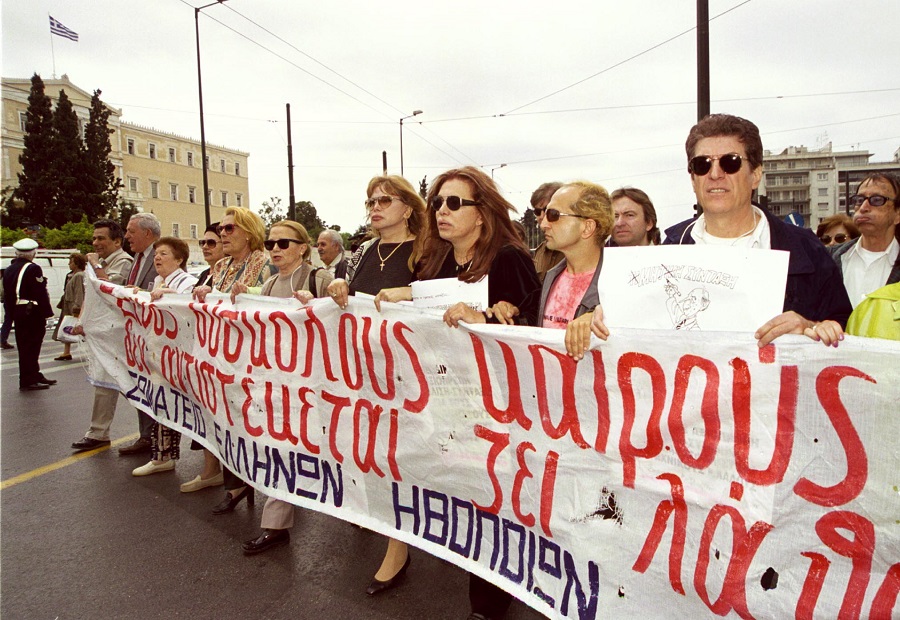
(685,287)
(442,293)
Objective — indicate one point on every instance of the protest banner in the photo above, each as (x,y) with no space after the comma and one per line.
(668,474)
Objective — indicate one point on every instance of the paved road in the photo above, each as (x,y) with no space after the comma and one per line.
(87,540)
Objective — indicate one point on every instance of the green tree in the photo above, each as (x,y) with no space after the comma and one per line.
(100,174)
(35,195)
(68,166)
(532,231)
(70,235)
(9,236)
(307,215)
(271,211)
(423,187)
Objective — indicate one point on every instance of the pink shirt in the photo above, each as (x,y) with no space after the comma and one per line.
(564,298)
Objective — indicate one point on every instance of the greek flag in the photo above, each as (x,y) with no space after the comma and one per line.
(58,29)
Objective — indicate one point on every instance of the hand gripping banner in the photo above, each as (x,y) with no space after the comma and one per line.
(671,474)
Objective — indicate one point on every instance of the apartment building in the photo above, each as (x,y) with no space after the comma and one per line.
(161,172)
(815,182)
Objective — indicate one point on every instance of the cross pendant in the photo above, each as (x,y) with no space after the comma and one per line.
(382,265)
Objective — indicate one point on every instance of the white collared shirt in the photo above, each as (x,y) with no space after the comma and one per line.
(760,238)
(332,266)
(865,271)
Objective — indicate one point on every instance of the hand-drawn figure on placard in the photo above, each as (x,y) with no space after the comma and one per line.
(684,309)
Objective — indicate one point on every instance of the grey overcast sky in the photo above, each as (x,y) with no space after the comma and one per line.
(491,78)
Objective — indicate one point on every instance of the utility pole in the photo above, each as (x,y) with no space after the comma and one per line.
(384,163)
(292,206)
(702,58)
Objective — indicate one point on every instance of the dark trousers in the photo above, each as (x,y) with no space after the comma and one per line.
(487,599)
(145,425)
(30,331)
(7,326)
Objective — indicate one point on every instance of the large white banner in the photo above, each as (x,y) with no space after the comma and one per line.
(667,474)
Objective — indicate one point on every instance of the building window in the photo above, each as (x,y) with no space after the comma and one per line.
(154,189)
(152,151)
(222,164)
(192,194)
(190,159)
(792,165)
(132,184)
(173,191)
(823,176)
(224,199)
(207,163)
(171,155)
(237,168)
(175,231)
(23,121)
(193,231)
(131,146)
(239,200)
(823,206)
(823,191)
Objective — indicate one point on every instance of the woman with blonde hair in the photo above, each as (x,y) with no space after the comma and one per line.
(397,219)
(243,237)
(289,247)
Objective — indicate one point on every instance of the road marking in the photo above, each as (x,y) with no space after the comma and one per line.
(46,469)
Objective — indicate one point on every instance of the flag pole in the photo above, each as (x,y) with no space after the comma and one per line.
(52,52)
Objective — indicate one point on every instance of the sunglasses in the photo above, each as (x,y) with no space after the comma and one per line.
(226,229)
(453,202)
(553,215)
(875,200)
(538,213)
(208,243)
(282,244)
(382,201)
(838,238)
(702,164)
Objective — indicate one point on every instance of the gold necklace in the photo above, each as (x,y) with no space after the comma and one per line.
(384,259)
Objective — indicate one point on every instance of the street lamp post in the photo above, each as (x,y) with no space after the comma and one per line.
(497,168)
(415,113)
(202,128)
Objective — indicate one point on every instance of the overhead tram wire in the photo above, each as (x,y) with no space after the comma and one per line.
(340,90)
(622,62)
(656,105)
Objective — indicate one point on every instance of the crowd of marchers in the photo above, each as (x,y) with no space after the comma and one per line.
(843,279)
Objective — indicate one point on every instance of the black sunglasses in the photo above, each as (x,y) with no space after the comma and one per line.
(838,238)
(553,215)
(226,228)
(282,244)
(538,213)
(382,201)
(702,164)
(453,202)
(875,200)
(208,242)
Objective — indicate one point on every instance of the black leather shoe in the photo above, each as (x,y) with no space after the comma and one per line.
(47,381)
(227,505)
(377,586)
(265,541)
(140,446)
(32,387)
(6,345)
(88,443)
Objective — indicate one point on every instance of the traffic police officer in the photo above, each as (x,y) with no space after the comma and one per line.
(25,296)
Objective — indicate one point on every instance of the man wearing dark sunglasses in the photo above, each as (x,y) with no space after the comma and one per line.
(725,163)
(872,260)
(725,156)
(544,258)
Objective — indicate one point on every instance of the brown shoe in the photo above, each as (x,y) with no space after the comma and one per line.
(140,446)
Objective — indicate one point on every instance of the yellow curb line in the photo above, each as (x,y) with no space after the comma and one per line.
(46,469)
